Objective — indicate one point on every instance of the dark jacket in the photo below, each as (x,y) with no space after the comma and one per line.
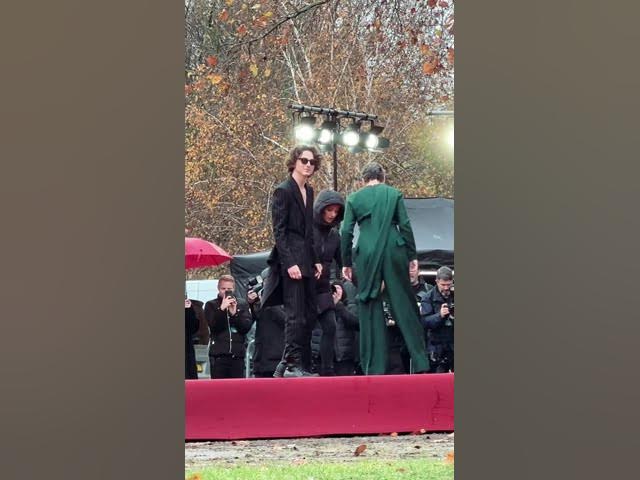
(269,340)
(327,243)
(347,328)
(190,329)
(227,331)
(439,331)
(293,233)
(203,329)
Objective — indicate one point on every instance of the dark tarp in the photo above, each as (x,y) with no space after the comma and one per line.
(432,223)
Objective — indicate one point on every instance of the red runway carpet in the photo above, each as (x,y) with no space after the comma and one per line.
(304,407)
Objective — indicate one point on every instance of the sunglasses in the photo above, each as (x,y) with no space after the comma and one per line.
(308,160)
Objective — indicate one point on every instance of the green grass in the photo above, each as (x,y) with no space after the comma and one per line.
(358,470)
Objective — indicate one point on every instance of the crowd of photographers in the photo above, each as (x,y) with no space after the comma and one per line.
(227,323)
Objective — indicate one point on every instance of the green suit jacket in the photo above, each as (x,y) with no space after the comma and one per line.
(384,225)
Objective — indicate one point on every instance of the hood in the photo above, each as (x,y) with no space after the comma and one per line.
(324,199)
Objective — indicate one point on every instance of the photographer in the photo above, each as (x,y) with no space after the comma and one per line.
(229,320)
(437,316)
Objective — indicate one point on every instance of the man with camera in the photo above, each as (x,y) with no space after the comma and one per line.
(437,316)
(229,321)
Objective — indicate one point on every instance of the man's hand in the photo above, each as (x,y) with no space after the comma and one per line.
(337,295)
(318,270)
(294,272)
(230,304)
(252,297)
(444,310)
(233,305)
(347,273)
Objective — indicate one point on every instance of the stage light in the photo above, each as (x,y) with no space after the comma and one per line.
(305,131)
(351,135)
(326,134)
(372,138)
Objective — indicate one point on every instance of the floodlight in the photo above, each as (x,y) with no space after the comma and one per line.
(305,131)
(327,129)
(351,135)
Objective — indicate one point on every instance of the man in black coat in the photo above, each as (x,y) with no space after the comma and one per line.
(229,321)
(294,262)
(437,316)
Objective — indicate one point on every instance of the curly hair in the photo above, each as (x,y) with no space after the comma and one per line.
(297,151)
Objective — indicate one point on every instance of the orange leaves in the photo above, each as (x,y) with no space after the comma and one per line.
(215,79)
(194,476)
(262,20)
(429,68)
(450,56)
(223,16)
(359,450)
(212,61)
(431,3)
(449,459)
(242,30)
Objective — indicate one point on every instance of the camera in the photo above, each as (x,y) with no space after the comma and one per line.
(229,295)
(254,284)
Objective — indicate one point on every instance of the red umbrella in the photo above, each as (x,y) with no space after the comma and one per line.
(199,253)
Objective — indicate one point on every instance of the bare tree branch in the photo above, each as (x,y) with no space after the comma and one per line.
(276,25)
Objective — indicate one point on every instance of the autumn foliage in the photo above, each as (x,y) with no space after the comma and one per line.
(246,62)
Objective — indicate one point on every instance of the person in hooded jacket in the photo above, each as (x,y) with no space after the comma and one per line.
(328,210)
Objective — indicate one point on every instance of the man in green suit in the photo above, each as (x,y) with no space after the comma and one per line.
(384,253)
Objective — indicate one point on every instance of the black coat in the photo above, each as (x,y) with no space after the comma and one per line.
(346,340)
(439,331)
(269,339)
(227,332)
(327,243)
(190,329)
(293,233)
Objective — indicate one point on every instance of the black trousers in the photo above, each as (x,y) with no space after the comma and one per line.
(299,299)
(327,320)
(345,367)
(227,366)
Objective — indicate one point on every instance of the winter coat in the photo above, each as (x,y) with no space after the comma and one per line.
(227,331)
(293,233)
(327,242)
(190,329)
(439,331)
(269,339)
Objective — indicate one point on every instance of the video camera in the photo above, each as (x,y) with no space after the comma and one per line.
(255,284)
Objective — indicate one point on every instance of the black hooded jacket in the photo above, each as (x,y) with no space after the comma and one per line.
(327,242)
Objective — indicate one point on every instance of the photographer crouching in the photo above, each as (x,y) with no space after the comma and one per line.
(437,316)
(229,321)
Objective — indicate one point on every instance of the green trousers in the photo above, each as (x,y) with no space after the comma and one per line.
(373,335)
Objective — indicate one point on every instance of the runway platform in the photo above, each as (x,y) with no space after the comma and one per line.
(255,408)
